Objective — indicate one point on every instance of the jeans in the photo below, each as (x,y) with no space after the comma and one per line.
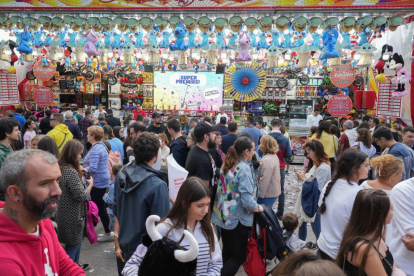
(281,204)
(268,200)
(316,228)
(74,252)
(97,197)
(234,248)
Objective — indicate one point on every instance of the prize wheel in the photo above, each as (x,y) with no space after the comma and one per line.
(245,83)
(89,75)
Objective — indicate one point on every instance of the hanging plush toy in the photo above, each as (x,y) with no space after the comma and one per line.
(24,47)
(401,75)
(365,52)
(103,58)
(166,34)
(152,34)
(67,59)
(317,40)
(287,39)
(244,44)
(49,39)
(116,43)
(211,53)
(204,39)
(180,33)
(191,44)
(330,37)
(162,256)
(61,36)
(44,59)
(53,50)
(107,38)
(262,44)
(72,38)
(13,58)
(3,46)
(79,51)
(90,49)
(232,40)
(364,36)
(37,38)
(304,55)
(220,39)
(272,58)
(128,54)
(153,53)
(379,66)
(275,37)
(139,43)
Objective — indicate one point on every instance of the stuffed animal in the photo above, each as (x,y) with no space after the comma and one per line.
(180,33)
(128,53)
(53,50)
(48,40)
(365,52)
(3,47)
(317,40)
(204,40)
(72,39)
(116,43)
(272,58)
(379,66)
(244,44)
(153,53)
(220,39)
(90,48)
(139,43)
(346,40)
(211,53)
(24,46)
(191,43)
(304,55)
(37,37)
(61,36)
(107,38)
(13,57)
(152,34)
(275,37)
(166,38)
(262,44)
(79,51)
(364,36)
(401,75)
(162,256)
(67,59)
(287,40)
(330,37)
(232,40)
(103,58)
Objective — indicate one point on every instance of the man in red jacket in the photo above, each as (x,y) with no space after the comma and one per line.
(28,242)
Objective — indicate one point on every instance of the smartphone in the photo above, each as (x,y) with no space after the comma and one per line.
(87,175)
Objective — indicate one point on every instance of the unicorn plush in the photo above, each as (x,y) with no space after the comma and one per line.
(244,44)
(90,48)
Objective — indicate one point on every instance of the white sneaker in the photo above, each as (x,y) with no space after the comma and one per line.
(106,238)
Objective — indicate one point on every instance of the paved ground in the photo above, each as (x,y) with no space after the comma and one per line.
(101,256)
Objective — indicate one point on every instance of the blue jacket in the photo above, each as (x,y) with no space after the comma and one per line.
(96,162)
(74,129)
(179,150)
(285,151)
(117,145)
(236,196)
(140,191)
(21,120)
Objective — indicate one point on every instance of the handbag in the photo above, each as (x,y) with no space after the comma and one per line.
(254,265)
(92,219)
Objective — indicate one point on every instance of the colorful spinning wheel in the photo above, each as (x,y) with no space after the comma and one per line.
(245,83)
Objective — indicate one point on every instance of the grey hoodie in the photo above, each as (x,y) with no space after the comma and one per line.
(352,136)
(140,191)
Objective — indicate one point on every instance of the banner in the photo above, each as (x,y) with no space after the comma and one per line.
(204,4)
(176,176)
(188,90)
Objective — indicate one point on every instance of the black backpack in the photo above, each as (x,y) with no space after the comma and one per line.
(275,243)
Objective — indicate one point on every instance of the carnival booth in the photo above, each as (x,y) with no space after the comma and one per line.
(260,58)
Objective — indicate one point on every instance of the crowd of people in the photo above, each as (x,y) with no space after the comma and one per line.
(73,169)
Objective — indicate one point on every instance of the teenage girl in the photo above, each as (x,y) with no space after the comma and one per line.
(189,212)
(29,133)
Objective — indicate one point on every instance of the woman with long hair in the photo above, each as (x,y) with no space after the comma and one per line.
(189,212)
(364,142)
(49,145)
(269,172)
(185,125)
(337,198)
(129,119)
(191,140)
(219,141)
(165,151)
(96,163)
(115,143)
(308,164)
(235,203)
(322,171)
(388,170)
(363,250)
(71,214)
(28,133)
(119,133)
(329,141)
(262,127)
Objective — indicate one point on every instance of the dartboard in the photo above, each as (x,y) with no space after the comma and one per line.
(245,83)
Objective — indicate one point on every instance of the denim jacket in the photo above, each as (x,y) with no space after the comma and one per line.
(236,196)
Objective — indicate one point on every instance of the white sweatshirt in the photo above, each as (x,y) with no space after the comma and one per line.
(208,264)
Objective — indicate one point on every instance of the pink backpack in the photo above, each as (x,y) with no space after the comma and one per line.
(92,220)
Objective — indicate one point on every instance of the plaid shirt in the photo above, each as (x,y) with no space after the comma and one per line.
(84,124)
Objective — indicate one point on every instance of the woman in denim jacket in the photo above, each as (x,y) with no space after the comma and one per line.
(235,203)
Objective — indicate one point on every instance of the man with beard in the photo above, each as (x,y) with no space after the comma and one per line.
(28,242)
(157,127)
(199,161)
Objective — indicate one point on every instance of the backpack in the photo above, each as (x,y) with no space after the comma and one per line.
(254,265)
(272,240)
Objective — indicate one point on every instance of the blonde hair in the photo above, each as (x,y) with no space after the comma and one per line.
(163,137)
(268,144)
(386,165)
(37,138)
(97,132)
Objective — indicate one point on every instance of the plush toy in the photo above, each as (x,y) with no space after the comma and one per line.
(166,38)
(103,57)
(79,51)
(37,38)
(272,58)
(304,55)
(204,40)
(90,48)
(72,38)
(401,75)
(153,53)
(24,46)
(152,34)
(61,36)
(364,36)
(365,52)
(287,42)
(330,37)
(300,39)
(53,50)
(13,58)
(379,66)
(48,40)
(317,40)
(3,46)
(139,43)
(162,256)
(116,43)
(117,55)
(232,40)
(211,53)
(180,33)
(262,44)
(244,44)
(220,39)
(346,40)
(275,37)
(191,44)
(128,53)
(67,60)
(44,59)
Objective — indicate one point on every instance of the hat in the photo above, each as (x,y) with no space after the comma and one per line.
(68,114)
(156,115)
(202,128)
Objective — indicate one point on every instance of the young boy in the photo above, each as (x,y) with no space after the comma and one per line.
(290,223)
(109,197)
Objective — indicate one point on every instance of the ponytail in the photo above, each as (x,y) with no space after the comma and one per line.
(235,152)
(231,159)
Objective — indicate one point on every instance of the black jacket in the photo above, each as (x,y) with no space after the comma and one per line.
(179,150)
(45,125)
(112,121)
